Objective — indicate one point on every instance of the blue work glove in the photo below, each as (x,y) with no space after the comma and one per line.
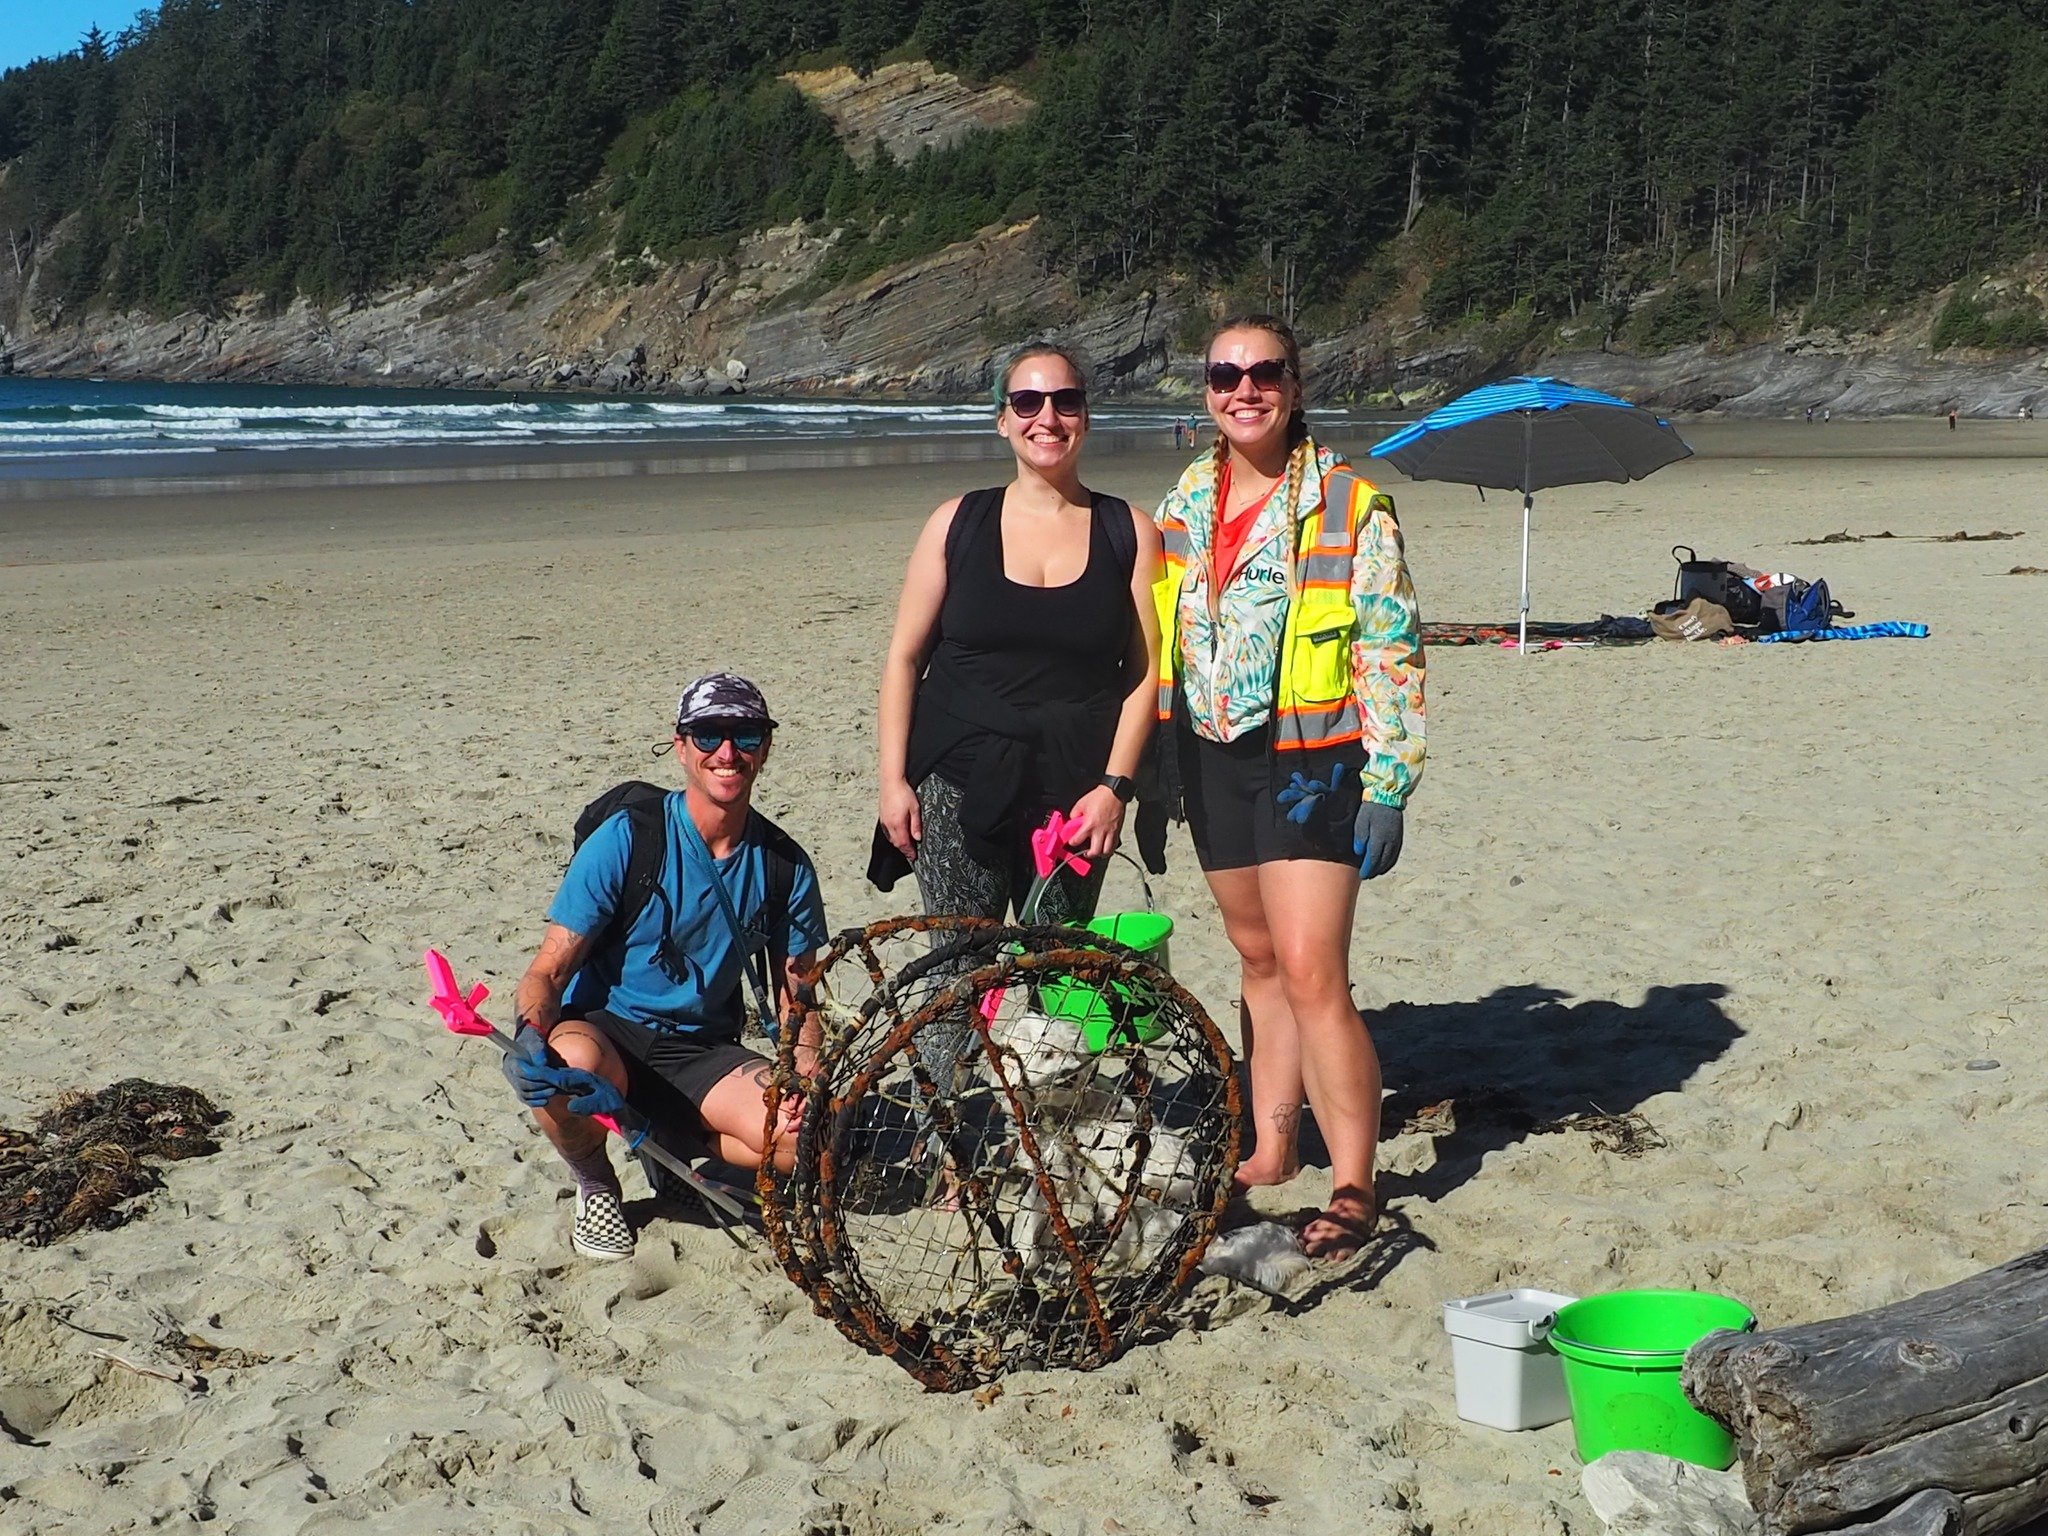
(1376,838)
(1299,798)
(592,1095)
(526,1068)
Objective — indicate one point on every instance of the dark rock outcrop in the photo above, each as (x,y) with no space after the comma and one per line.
(761,321)
(1846,378)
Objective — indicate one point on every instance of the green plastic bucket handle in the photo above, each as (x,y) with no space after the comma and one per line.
(1642,1354)
(1566,1342)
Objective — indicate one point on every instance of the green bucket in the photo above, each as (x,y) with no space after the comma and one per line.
(1622,1354)
(1111,1020)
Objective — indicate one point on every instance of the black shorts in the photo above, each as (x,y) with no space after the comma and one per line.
(669,1073)
(1227,788)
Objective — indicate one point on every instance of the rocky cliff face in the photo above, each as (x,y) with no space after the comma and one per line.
(1784,378)
(755,322)
(907,107)
(760,320)
(752,321)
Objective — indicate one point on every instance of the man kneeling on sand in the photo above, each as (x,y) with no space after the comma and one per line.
(651,1018)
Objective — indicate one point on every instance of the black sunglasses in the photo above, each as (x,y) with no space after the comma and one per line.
(708,739)
(1266,373)
(1027,403)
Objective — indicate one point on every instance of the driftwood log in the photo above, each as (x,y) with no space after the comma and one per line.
(1923,1418)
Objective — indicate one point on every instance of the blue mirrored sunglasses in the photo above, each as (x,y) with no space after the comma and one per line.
(707,739)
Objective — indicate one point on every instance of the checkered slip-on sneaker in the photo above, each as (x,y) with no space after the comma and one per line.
(601,1230)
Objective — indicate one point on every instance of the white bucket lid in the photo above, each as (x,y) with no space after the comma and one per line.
(1517,1319)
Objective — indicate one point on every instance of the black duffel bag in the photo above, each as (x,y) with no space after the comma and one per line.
(1718,581)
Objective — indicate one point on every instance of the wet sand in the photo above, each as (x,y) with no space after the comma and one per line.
(259,748)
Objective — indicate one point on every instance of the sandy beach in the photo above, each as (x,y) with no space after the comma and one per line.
(258,749)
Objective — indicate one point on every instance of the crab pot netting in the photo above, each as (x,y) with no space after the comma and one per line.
(1014,1150)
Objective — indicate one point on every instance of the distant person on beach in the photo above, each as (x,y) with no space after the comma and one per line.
(1951,418)
(1018,680)
(651,1018)
(1809,415)
(1291,696)
(1180,433)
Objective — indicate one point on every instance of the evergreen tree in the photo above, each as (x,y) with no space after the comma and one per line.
(1707,166)
(870,28)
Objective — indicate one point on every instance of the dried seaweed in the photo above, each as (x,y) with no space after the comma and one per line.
(85,1158)
(1960,536)
(1629,1135)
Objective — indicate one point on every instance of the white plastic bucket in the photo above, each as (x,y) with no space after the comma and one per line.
(1508,1376)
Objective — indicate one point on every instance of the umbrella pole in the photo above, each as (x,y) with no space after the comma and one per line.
(1522,643)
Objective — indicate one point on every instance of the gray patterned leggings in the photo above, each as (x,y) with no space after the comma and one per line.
(952,882)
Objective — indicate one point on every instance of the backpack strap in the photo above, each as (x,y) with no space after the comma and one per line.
(781,854)
(646,856)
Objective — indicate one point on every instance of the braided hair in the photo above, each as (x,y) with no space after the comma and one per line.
(1301,456)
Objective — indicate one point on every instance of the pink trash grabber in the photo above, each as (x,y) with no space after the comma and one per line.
(1049,852)
(458,1012)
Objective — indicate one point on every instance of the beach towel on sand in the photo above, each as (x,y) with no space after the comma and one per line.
(1884,629)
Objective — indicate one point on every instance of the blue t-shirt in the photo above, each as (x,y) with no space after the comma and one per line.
(704,994)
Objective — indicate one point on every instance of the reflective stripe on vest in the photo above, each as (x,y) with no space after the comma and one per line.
(1323,592)
(1175,546)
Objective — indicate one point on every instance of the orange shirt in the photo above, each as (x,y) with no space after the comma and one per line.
(1231,531)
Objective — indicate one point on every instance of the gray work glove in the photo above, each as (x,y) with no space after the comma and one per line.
(1376,838)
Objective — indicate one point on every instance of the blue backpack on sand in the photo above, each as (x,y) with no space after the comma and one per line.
(1807,606)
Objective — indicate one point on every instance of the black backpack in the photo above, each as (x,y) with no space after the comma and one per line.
(647,854)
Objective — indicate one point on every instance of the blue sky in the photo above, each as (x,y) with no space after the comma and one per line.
(35,29)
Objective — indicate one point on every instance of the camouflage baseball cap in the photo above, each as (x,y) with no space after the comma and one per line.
(724,696)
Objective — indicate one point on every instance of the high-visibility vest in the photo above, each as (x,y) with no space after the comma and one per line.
(1315,704)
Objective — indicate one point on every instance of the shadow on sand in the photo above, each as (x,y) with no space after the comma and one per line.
(1481,1076)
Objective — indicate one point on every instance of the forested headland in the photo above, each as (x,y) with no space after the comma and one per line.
(1675,170)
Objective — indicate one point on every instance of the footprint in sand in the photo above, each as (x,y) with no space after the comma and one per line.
(577,1403)
(904,1453)
(677,1514)
(762,1506)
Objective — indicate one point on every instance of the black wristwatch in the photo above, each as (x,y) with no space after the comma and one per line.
(1120,786)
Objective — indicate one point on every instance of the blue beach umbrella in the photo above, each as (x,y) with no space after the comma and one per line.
(1527,434)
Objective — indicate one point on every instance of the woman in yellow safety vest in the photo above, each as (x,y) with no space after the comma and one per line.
(1290,692)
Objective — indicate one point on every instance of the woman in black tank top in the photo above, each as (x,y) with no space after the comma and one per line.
(1020,677)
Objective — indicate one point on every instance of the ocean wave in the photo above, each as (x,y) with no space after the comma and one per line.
(45,418)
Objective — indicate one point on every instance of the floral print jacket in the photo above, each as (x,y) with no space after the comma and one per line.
(1227,661)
